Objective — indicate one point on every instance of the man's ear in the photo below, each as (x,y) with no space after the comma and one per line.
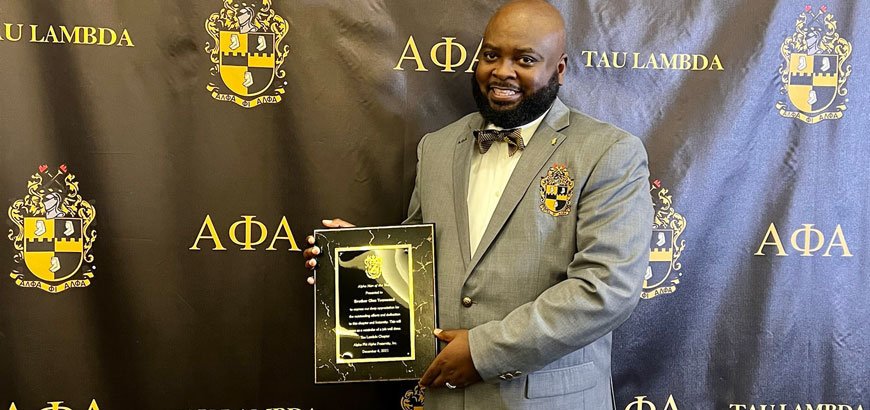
(560,68)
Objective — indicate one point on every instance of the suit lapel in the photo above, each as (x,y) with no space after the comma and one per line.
(545,141)
(461,167)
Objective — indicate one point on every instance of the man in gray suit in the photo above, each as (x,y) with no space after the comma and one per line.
(543,219)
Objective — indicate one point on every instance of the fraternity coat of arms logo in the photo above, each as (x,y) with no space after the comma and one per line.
(557,187)
(374,266)
(666,246)
(247,53)
(413,399)
(814,69)
(52,233)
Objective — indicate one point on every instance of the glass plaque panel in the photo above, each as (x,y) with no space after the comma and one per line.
(374,303)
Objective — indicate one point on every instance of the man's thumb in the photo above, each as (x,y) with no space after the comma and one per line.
(336,223)
(445,335)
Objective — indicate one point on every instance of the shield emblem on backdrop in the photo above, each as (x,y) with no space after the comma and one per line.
(812,83)
(556,197)
(53,248)
(247,62)
(661,255)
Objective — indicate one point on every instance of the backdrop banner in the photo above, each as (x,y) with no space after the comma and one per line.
(163,161)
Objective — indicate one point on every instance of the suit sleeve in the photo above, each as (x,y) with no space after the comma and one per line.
(604,279)
(415,210)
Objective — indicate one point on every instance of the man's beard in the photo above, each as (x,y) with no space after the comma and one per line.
(530,107)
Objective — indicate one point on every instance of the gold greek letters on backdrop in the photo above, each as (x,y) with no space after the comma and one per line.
(246,241)
(248,220)
(447,44)
(805,240)
(641,403)
(416,56)
(56,405)
(447,64)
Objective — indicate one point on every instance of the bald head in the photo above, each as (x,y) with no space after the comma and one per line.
(535,18)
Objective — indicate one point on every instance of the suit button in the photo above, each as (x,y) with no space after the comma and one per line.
(466,301)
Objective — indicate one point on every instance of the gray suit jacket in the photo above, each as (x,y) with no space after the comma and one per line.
(553,275)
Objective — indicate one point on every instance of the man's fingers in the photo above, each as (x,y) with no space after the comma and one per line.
(445,335)
(343,224)
(311,252)
(440,380)
(430,375)
(337,223)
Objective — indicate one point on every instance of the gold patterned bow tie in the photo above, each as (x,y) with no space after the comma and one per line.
(513,137)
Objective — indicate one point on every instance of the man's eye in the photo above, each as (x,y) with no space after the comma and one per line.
(489,55)
(527,60)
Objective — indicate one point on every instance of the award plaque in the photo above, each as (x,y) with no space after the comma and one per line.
(374,303)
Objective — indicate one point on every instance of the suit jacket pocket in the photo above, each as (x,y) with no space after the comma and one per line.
(559,382)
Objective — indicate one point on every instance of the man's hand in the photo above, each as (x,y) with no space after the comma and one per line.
(453,365)
(311,252)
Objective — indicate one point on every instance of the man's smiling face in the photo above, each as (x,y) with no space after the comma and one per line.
(521,56)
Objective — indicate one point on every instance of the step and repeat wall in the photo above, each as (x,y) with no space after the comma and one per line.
(161,163)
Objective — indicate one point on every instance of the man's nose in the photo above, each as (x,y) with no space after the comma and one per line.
(504,69)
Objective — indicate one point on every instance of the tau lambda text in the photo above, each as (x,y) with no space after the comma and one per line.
(60,34)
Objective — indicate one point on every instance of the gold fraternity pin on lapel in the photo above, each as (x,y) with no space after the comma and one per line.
(557,187)
(553,142)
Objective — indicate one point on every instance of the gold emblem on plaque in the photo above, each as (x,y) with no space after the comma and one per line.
(374,266)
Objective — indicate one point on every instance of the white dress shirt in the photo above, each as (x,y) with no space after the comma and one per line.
(488,177)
